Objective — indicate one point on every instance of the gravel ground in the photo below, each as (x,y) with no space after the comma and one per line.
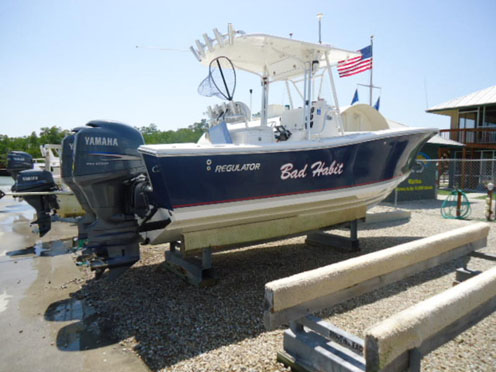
(174,326)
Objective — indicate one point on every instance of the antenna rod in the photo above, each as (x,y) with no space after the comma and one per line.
(371,67)
(319,16)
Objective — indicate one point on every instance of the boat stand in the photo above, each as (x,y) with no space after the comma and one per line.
(338,242)
(196,270)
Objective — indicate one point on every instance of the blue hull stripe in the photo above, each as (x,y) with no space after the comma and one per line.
(194,180)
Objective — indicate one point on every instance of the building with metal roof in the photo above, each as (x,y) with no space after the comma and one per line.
(482,97)
(473,123)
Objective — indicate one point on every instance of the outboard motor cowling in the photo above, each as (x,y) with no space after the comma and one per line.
(66,173)
(106,161)
(38,181)
(18,161)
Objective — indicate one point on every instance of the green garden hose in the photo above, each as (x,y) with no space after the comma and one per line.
(449,206)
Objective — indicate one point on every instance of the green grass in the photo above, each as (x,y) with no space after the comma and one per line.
(449,191)
(482,197)
(443,192)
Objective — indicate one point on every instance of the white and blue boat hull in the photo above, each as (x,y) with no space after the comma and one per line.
(221,186)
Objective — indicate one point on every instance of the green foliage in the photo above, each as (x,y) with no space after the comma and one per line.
(30,144)
(153,135)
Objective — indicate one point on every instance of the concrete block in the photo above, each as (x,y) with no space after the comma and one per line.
(406,330)
(307,286)
(391,216)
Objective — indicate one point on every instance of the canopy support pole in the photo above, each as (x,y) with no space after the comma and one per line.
(265,101)
(289,95)
(297,89)
(334,94)
(320,86)
(307,99)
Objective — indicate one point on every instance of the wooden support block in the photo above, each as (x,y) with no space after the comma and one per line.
(289,361)
(463,274)
(194,270)
(312,352)
(414,360)
(337,242)
(326,347)
(331,332)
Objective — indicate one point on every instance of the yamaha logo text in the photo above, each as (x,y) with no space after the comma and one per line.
(101,141)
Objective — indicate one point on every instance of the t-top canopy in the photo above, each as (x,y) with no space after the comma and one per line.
(276,57)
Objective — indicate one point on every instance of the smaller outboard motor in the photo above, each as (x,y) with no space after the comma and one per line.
(66,171)
(38,181)
(18,161)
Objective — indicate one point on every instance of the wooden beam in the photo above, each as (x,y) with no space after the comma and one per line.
(274,319)
(331,332)
(409,358)
(431,323)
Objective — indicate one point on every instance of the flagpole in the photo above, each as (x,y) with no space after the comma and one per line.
(371,67)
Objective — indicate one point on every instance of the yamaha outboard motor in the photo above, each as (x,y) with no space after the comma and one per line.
(38,181)
(66,172)
(18,161)
(106,166)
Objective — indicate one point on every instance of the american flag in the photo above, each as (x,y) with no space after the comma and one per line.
(356,65)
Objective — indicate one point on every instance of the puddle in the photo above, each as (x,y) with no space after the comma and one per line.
(45,249)
(89,332)
(10,207)
(12,219)
(15,206)
(19,207)
(18,222)
(68,309)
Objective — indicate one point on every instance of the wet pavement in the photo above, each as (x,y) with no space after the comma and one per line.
(43,327)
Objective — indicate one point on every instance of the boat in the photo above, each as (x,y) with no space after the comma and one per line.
(289,170)
(309,164)
(38,182)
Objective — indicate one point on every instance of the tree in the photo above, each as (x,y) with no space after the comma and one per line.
(199,127)
(30,144)
(152,134)
(52,135)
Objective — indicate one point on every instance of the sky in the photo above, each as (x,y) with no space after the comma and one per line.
(66,62)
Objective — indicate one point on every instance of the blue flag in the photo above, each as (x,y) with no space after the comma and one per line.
(355,97)
(376,106)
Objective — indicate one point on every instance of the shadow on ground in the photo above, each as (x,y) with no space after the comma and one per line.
(88,332)
(173,321)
